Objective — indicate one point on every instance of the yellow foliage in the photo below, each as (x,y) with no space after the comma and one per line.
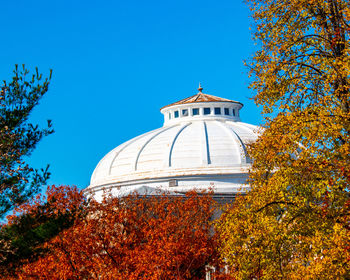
(294,223)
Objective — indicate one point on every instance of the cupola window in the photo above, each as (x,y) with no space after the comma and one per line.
(217,111)
(195,111)
(206,111)
(169,116)
(176,114)
(227,111)
(185,112)
(234,113)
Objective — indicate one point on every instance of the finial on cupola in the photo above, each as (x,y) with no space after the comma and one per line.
(200,88)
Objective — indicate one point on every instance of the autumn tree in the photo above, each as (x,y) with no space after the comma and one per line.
(294,223)
(135,237)
(19,137)
(35,222)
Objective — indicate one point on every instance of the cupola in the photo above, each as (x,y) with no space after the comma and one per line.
(201,106)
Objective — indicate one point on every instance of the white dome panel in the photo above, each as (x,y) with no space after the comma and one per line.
(124,160)
(248,133)
(155,153)
(223,147)
(185,153)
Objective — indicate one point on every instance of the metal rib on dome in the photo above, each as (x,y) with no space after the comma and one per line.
(173,142)
(146,143)
(242,151)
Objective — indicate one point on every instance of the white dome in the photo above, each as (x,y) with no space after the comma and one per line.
(202,145)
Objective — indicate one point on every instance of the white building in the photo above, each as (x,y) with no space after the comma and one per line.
(201,145)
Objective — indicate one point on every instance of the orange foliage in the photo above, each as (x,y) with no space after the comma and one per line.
(34,223)
(57,200)
(158,237)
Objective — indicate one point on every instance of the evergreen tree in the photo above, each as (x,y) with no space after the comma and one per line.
(19,137)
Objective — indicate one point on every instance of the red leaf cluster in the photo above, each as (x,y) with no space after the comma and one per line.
(136,237)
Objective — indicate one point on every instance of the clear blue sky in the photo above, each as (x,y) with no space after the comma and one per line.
(115,63)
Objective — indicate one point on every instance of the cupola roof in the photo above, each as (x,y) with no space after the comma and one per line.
(201,97)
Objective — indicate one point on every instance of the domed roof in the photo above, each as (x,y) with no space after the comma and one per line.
(197,147)
(202,143)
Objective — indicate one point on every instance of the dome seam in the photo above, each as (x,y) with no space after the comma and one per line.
(205,145)
(173,142)
(128,143)
(245,126)
(148,141)
(241,148)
